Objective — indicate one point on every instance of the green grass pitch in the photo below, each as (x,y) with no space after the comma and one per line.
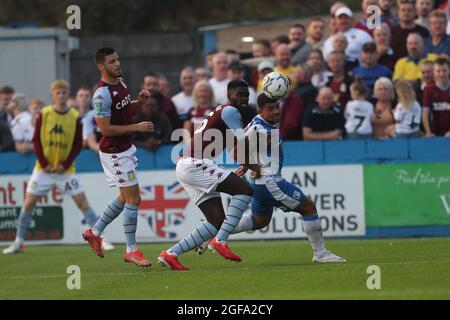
(410,269)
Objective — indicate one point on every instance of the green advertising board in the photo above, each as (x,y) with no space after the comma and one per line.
(407,194)
(47,223)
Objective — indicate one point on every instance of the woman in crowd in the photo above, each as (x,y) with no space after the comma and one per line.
(382,118)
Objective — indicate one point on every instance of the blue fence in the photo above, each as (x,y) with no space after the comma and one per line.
(296,153)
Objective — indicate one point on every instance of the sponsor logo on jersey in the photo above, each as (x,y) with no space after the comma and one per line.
(57,129)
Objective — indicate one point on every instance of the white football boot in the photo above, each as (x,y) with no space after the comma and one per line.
(107,246)
(14,248)
(327,257)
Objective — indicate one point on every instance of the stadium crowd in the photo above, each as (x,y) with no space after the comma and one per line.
(357,83)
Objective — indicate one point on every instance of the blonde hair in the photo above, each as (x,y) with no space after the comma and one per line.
(197,86)
(59,84)
(39,102)
(387,83)
(405,93)
(20,101)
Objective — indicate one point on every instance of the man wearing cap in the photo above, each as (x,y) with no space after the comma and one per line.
(236,72)
(369,69)
(355,37)
(264,67)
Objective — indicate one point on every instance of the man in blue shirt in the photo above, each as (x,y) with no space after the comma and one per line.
(369,69)
(439,41)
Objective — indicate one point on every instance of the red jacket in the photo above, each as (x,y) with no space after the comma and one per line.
(291,117)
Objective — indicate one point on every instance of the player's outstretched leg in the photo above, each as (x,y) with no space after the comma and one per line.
(25,219)
(90,217)
(242,195)
(213,210)
(92,236)
(313,230)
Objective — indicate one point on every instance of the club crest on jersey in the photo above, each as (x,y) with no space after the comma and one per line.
(131,175)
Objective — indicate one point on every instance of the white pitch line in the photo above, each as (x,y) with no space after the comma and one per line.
(244,269)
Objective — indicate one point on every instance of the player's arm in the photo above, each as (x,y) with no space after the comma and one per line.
(37,145)
(102,103)
(75,151)
(142,99)
(232,119)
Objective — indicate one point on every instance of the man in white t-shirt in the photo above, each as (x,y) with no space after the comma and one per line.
(220,79)
(21,119)
(23,126)
(183,100)
(356,38)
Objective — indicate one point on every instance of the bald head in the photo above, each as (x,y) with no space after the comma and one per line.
(414,45)
(283,55)
(325,98)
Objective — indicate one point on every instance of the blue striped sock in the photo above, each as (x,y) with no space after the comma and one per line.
(111,211)
(201,234)
(25,219)
(90,217)
(246,223)
(130,214)
(238,205)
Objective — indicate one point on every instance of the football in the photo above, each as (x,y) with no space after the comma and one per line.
(275,85)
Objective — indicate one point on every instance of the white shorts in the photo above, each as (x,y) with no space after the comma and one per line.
(120,168)
(200,178)
(41,183)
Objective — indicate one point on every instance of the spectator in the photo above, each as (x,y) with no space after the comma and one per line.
(72,103)
(332,23)
(298,45)
(291,117)
(6,138)
(164,86)
(315,32)
(23,127)
(426,78)
(83,99)
(359,112)
(369,69)
(305,90)
(165,105)
(91,132)
(183,100)
(162,127)
(203,104)
(324,121)
(264,67)
(220,80)
(261,49)
(439,41)
(355,37)
(423,9)
(339,82)
(436,101)
(17,110)
(236,72)
(408,67)
(283,63)
(275,42)
(209,60)
(362,23)
(407,114)
(383,117)
(6,94)
(340,45)
(382,38)
(407,14)
(317,64)
(202,74)
(386,15)
(232,56)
